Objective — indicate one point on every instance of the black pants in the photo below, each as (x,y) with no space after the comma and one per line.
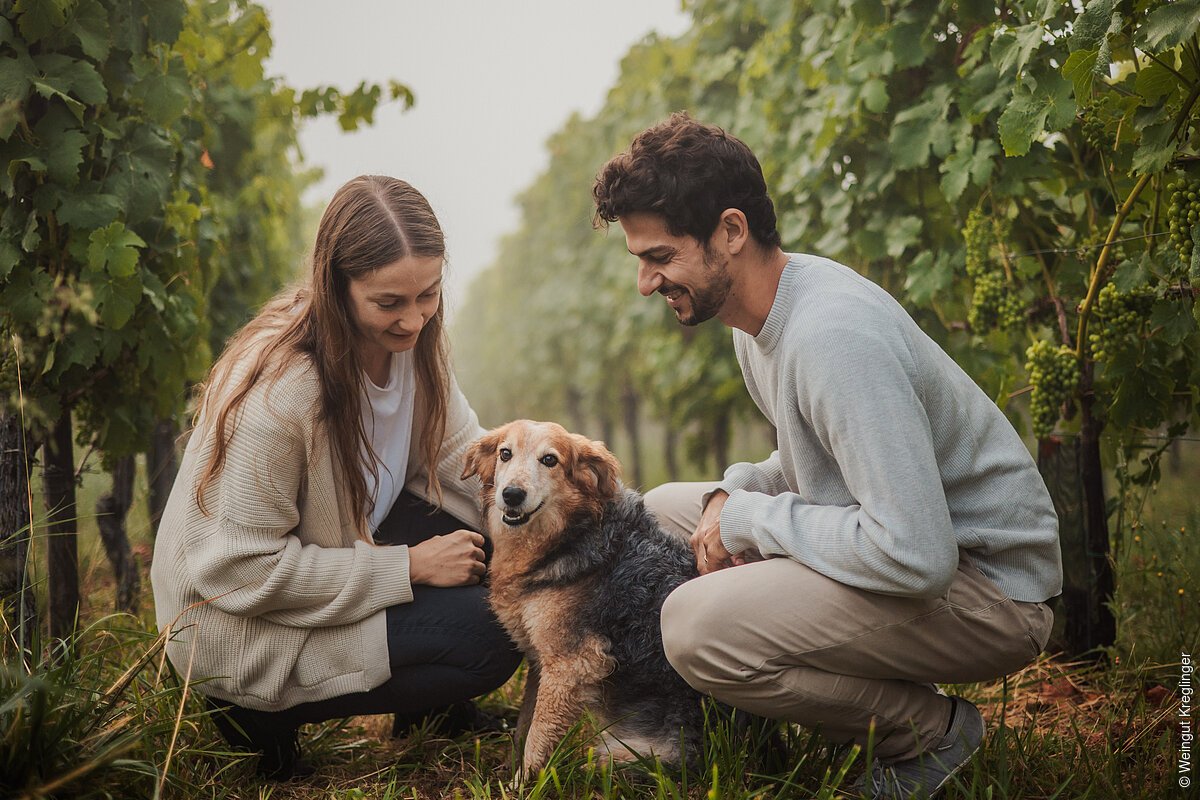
(444,646)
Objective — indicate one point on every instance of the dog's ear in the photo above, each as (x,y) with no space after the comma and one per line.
(481,457)
(594,467)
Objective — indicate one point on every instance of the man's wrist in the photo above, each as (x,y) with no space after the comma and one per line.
(707,498)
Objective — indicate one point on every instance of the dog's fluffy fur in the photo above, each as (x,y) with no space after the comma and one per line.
(578,578)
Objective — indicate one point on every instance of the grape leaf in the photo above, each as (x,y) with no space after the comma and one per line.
(39,18)
(89,24)
(10,116)
(117,299)
(1153,82)
(9,256)
(1130,273)
(93,210)
(62,74)
(1046,105)
(166,23)
(23,296)
(16,76)
(80,351)
(1155,149)
(61,145)
(1173,321)
(901,234)
(115,248)
(1012,49)
(1170,24)
(918,129)
(926,276)
(1080,70)
(972,161)
(32,236)
(164,96)
(74,82)
(1092,25)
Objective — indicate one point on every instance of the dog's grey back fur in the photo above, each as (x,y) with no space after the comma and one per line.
(630,565)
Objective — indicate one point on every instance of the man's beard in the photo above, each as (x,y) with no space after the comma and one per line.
(708,299)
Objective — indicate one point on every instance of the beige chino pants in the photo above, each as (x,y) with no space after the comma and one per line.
(781,640)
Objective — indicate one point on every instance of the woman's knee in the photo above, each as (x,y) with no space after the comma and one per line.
(498,667)
(495,656)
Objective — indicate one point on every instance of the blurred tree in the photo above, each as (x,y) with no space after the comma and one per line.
(556,327)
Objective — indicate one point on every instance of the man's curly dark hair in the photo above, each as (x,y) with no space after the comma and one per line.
(689,173)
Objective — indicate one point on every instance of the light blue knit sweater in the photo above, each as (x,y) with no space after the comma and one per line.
(890,459)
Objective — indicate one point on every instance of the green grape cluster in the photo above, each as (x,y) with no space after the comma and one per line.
(1093,128)
(127,375)
(978,234)
(1183,214)
(1119,320)
(1054,375)
(994,304)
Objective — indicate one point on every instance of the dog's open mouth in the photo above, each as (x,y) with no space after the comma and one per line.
(516,520)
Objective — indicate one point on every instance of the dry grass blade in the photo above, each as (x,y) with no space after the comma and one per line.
(79,772)
(187,678)
(114,692)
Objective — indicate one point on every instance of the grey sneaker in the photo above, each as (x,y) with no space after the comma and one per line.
(924,775)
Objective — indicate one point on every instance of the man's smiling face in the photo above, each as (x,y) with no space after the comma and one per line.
(692,277)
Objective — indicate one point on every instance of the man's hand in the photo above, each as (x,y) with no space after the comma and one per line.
(711,554)
(455,559)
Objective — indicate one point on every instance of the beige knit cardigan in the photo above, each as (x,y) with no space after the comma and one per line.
(271,598)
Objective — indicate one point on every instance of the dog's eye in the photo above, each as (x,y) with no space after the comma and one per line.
(505,454)
(549,459)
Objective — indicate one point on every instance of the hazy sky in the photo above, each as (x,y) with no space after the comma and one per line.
(493,79)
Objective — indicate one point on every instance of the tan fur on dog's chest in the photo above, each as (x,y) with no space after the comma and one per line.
(541,622)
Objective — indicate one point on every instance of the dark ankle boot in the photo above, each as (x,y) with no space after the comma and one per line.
(254,731)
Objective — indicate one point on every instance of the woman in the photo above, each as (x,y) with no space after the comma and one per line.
(330,425)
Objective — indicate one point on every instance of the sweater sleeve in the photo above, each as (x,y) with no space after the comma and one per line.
(856,387)
(251,564)
(765,477)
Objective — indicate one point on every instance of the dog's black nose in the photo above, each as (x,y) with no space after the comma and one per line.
(513,495)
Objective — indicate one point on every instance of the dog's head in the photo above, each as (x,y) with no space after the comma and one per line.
(538,468)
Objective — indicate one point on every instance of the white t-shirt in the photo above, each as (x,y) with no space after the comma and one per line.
(388,420)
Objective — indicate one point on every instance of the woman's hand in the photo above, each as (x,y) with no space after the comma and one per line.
(455,559)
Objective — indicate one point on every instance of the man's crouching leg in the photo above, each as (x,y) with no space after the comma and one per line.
(723,651)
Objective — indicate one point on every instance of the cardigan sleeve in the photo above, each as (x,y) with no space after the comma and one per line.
(462,429)
(459,497)
(249,562)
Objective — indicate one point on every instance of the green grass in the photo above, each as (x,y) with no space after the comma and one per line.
(108,718)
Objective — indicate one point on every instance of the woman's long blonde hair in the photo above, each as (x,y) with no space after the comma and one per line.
(372,221)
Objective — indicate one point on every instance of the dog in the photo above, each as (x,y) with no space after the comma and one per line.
(579,572)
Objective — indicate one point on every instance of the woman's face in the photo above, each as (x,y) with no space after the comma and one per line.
(390,306)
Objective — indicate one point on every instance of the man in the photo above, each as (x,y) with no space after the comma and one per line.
(900,536)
